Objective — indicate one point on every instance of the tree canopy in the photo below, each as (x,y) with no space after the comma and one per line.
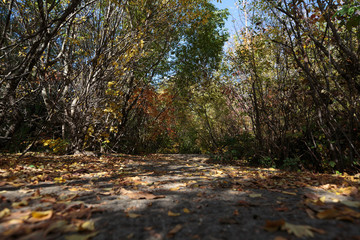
(141,76)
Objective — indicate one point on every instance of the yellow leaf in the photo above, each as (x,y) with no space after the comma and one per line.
(88,226)
(186,210)
(4,213)
(37,216)
(81,236)
(172,214)
(20,204)
(59,180)
(174,189)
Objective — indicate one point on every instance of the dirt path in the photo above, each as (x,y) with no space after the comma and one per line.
(171,197)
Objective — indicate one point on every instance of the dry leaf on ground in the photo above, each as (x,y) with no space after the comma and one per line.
(140,195)
(175,230)
(173,214)
(338,213)
(4,213)
(297,230)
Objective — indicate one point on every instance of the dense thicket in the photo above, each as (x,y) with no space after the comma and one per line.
(151,76)
(79,75)
(297,74)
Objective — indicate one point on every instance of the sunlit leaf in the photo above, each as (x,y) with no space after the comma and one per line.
(173,214)
(88,226)
(4,213)
(133,215)
(20,204)
(37,216)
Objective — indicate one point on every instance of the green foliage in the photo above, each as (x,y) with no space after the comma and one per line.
(267,162)
(350,15)
(291,163)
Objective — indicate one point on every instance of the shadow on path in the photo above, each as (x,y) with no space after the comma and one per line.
(179,197)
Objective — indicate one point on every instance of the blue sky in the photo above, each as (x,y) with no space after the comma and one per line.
(229,4)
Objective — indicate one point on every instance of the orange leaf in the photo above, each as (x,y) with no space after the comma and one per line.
(273,226)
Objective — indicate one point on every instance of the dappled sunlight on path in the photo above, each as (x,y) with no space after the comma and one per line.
(171,196)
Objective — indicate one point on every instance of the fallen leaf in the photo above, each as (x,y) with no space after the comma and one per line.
(49,199)
(355,204)
(38,216)
(81,236)
(172,214)
(348,191)
(338,213)
(299,230)
(17,184)
(87,226)
(140,195)
(175,230)
(4,213)
(310,213)
(59,180)
(273,226)
(255,195)
(133,215)
(289,193)
(185,210)
(23,203)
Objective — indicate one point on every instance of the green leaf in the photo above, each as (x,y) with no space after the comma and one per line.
(332,164)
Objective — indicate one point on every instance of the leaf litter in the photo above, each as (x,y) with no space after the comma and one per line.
(82,197)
